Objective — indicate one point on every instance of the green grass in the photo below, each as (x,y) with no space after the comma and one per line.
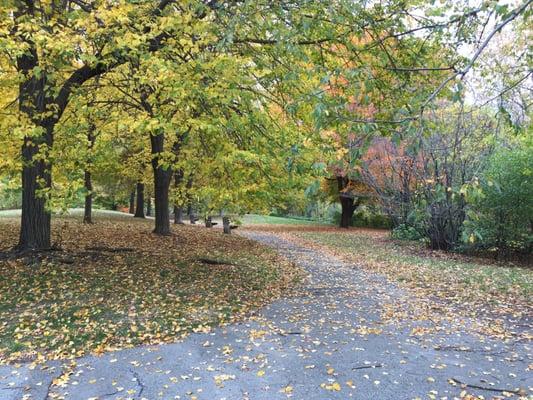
(9,213)
(449,276)
(254,219)
(73,213)
(248,219)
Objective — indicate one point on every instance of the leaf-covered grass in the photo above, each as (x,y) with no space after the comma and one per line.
(72,212)
(472,284)
(115,284)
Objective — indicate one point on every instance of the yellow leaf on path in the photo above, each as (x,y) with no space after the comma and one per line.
(287,389)
(335,386)
(260,373)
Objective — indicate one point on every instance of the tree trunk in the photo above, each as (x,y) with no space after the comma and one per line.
(35,228)
(190,208)
(178,215)
(208,222)
(192,216)
(132,202)
(161,185)
(226,225)
(178,210)
(139,210)
(348,205)
(88,212)
(348,208)
(149,206)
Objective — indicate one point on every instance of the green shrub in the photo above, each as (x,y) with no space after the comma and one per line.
(500,217)
(406,232)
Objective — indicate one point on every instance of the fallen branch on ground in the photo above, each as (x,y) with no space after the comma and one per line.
(488,389)
(110,249)
(367,366)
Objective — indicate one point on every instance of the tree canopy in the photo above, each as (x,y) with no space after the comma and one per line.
(227,105)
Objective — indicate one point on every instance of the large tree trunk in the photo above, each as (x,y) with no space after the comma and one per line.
(348,205)
(161,185)
(132,202)
(348,208)
(35,227)
(139,210)
(88,212)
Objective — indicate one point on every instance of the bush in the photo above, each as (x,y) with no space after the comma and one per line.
(500,217)
(406,232)
(10,197)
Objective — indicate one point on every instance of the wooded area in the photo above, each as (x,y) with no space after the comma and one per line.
(238,106)
(375,159)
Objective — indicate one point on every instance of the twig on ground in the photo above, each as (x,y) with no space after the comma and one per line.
(488,389)
(367,366)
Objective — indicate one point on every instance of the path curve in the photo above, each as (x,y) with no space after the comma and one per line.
(328,342)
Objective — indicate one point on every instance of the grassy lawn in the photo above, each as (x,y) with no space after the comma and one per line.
(471,284)
(115,285)
(254,219)
(73,212)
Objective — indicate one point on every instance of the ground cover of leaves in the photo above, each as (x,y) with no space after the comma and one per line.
(115,285)
(445,285)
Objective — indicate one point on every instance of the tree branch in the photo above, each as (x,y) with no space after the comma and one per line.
(513,15)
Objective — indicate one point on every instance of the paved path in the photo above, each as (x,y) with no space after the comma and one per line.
(329,342)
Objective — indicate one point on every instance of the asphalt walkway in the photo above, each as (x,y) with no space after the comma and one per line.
(331,341)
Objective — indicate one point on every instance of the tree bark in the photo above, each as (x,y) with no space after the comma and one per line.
(226,225)
(178,215)
(347,210)
(178,210)
(132,202)
(88,183)
(348,203)
(139,208)
(190,208)
(208,222)
(88,211)
(161,186)
(35,229)
(192,216)
(149,206)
